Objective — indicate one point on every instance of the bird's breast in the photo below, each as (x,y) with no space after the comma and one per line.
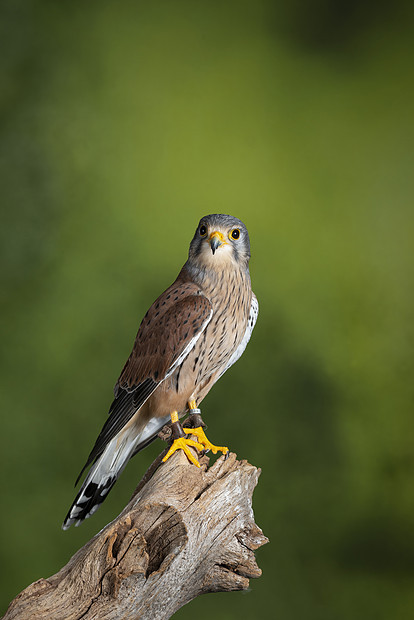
(231,299)
(195,376)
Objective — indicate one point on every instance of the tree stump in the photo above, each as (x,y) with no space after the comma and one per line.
(185,532)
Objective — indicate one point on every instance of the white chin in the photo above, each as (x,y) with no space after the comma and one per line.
(223,255)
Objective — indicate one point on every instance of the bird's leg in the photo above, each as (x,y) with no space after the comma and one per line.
(198,429)
(181,442)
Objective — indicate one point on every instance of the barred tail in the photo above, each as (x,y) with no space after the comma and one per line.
(106,470)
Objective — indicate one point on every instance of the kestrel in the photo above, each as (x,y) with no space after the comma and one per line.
(190,336)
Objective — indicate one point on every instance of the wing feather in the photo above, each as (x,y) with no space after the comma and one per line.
(167,334)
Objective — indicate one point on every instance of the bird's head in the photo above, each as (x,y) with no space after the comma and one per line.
(219,241)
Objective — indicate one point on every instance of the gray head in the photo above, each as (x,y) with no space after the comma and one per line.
(220,241)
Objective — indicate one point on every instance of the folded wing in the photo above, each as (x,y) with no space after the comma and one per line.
(167,334)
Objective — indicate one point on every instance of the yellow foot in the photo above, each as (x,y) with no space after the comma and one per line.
(201,436)
(182,444)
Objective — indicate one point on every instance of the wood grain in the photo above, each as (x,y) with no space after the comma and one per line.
(185,532)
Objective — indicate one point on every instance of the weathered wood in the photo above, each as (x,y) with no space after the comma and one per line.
(185,532)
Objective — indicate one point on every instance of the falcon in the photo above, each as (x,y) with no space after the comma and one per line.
(190,336)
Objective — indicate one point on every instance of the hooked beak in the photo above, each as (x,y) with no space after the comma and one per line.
(216,239)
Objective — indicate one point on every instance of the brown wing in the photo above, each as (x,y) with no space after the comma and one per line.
(170,325)
(166,335)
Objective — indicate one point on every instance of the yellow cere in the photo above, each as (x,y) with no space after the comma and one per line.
(218,235)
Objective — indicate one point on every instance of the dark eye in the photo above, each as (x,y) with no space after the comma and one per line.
(203,230)
(235,233)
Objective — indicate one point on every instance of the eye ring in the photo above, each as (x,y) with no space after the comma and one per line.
(235,234)
(203,230)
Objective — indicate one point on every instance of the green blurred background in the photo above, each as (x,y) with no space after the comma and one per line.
(122,123)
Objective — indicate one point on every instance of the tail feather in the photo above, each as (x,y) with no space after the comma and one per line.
(106,470)
(97,484)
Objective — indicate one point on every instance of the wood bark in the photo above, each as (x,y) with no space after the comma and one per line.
(185,532)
